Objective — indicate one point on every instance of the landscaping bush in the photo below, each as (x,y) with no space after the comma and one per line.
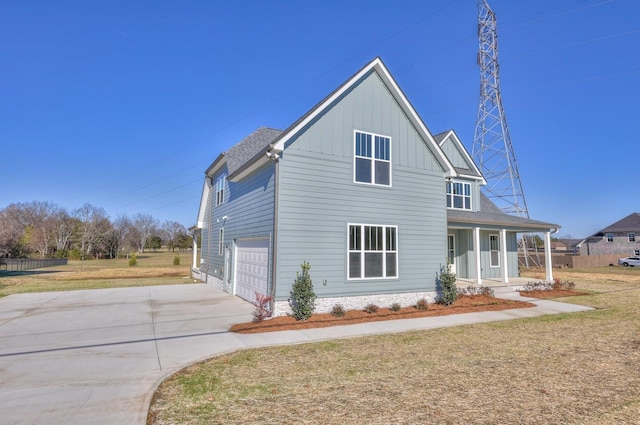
(176,260)
(302,297)
(537,286)
(133,261)
(338,310)
(448,291)
(564,286)
(395,307)
(471,291)
(422,304)
(371,308)
(261,310)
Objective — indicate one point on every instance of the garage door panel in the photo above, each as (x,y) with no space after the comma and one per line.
(252,268)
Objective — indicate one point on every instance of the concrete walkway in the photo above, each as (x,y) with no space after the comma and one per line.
(96,356)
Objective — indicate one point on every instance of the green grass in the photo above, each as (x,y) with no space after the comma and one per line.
(152,269)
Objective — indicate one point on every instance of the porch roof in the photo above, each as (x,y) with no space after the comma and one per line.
(491,215)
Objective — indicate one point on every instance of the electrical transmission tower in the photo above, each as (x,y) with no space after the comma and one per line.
(492,148)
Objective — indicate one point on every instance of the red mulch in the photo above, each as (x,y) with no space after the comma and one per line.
(464,304)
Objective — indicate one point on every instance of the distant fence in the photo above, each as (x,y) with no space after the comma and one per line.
(585,261)
(19,264)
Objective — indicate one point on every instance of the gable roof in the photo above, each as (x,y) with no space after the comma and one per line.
(377,66)
(490,214)
(473,171)
(630,223)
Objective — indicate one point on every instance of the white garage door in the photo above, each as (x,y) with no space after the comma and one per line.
(252,267)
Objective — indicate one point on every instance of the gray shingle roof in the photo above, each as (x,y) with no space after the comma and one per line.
(630,223)
(248,148)
(490,214)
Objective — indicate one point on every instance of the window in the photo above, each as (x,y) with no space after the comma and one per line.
(373,251)
(220,182)
(632,237)
(636,252)
(221,243)
(494,246)
(459,195)
(372,159)
(609,237)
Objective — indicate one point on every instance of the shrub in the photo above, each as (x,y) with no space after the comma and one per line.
(302,298)
(563,286)
(261,311)
(133,261)
(176,260)
(537,286)
(370,308)
(449,292)
(470,291)
(422,304)
(338,310)
(395,307)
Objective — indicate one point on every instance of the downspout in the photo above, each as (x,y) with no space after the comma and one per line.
(276,177)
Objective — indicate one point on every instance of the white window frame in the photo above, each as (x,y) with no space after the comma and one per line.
(609,237)
(636,252)
(632,237)
(220,184)
(492,251)
(221,241)
(451,195)
(372,157)
(386,249)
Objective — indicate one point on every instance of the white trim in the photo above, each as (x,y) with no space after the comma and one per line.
(477,248)
(547,256)
(463,183)
(466,155)
(505,263)
(373,159)
(452,250)
(363,251)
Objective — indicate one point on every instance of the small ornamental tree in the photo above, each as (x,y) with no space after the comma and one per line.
(133,261)
(302,298)
(449,292)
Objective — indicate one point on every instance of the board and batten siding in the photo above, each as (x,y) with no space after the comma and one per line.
(453,153)
(249,208)
(318,198)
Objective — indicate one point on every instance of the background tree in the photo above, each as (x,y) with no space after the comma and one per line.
(90,227)
(144,226)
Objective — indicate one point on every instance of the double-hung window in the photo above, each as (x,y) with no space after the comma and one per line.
(373,251)
(609,237)
(494,247)
(372,159)
(632,237)
(459,195)
(220,182)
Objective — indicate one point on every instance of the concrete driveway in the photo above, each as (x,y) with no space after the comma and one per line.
(94,356)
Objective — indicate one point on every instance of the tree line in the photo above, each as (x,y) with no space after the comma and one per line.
(46,230)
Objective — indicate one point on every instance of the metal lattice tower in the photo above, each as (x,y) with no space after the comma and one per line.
(492,148)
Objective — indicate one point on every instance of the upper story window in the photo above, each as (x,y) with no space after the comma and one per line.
(220,182)
(632,237)
(372,159)
(459,195)
(609,237)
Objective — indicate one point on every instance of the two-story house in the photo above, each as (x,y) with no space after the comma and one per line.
(361,189)
(621,237)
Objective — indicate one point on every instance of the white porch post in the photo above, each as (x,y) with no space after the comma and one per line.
(503,250)
(194,263)
(547,256)
(476,247)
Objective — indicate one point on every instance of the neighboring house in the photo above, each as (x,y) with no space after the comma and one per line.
(359,188)
(622,237)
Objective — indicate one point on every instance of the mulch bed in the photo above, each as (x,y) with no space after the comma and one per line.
(464,304)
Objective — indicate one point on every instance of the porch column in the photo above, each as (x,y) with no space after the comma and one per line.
(476,247)
(503,250)
(547,256)
(194,263)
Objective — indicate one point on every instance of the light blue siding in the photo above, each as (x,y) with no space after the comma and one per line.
(249,208)
(318,198)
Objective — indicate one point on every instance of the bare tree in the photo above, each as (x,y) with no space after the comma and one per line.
(170,230)
(91,226)
(144,226)
(122,230)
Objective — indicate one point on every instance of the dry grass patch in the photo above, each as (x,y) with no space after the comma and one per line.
(152,269)
(564,369)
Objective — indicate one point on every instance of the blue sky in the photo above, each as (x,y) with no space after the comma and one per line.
(124,104)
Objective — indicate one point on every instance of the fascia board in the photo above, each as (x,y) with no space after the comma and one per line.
(206,191)
(468,158)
